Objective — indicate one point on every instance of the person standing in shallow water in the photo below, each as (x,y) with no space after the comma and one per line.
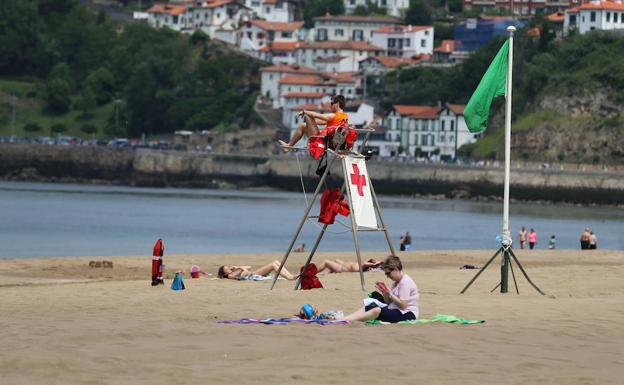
(532,238)
(585,239)
(522,236)
(593,241)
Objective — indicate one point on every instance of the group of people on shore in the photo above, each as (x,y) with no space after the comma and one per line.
(589,240)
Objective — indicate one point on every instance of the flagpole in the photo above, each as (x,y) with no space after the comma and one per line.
(506,232)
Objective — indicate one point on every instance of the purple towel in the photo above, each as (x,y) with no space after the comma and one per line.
(284,321)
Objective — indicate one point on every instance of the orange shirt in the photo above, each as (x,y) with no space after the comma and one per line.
(338,117)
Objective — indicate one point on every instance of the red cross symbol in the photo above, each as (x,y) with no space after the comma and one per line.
(358,179)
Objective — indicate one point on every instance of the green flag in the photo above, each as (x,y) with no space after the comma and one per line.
(492,85)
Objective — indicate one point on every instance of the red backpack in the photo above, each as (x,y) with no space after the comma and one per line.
(309,280)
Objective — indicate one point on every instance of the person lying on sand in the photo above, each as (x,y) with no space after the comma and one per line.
(340,266)
(243,272)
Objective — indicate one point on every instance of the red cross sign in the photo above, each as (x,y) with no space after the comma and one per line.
(358,180)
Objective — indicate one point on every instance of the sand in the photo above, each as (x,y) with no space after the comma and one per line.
(63,322)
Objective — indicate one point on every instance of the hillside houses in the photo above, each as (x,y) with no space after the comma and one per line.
(395,8)
(429,131)
(349,27)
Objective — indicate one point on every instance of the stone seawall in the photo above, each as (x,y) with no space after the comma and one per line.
(171,168)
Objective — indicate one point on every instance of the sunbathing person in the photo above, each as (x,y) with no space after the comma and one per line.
(401,300)
(245,272)
(310,126)
(340,266)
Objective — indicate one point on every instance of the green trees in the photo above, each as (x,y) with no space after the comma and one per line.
(158,80)
(419,13)
(312,9)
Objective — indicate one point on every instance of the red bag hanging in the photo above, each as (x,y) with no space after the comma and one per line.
(329,206)
(157,263)
(310,280)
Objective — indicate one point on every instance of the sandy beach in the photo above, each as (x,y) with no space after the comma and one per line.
(64,322)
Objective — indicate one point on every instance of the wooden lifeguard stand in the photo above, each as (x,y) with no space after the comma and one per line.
(364,208)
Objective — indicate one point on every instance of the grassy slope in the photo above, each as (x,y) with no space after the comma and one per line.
(29,108)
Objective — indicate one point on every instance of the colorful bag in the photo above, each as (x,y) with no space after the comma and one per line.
(309,280)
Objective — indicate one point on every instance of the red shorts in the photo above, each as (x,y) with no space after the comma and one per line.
(316,146)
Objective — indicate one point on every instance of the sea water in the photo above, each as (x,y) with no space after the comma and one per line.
(45,220)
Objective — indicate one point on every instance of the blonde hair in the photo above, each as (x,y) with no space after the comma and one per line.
(392,262)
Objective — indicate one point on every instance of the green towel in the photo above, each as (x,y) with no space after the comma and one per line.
(437,318)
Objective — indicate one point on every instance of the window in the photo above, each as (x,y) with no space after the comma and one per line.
(287,34)
(608,17)
(270,76)
(267,10)
(451,138)
(442,128)
(452,125)
(592,16)
(260,35)
(406,43)
(218,15)
(249,35)
(279,5)
(352,2)
(358,34)
(338,32)
(391,43)
(197,16)
(175,20)
(442,138)
(427,32)
(423,43)
(321,34)
(615,17)
(424,140)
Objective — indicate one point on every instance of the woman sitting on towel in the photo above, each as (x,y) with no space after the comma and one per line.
(401,302)
(340,266)
(242,273)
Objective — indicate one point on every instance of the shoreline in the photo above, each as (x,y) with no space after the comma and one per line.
(269,189)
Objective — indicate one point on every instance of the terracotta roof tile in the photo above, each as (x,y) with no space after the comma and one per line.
(603,5)
(446,46)
(170,9)
(277,26)
(423,112)
(280,46)
(556,17)
(457,109)
(301,79)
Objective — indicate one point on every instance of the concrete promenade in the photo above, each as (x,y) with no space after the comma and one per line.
(145,167)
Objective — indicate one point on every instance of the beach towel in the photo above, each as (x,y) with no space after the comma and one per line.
(437,318)
(284,321)
(178,282)
(254,277)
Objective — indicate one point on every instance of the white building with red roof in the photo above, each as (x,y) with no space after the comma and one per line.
(434,132)
(350,51)
(404,40)
(190,15)
(254,35)
(395,8)
(340,83)
(270,79)
(349,27)
(272,10)
(595,15)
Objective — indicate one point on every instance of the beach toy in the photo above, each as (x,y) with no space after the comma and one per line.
(178,282)
(307,312)
(195,271)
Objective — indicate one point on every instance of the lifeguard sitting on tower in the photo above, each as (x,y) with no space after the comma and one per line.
(318,139)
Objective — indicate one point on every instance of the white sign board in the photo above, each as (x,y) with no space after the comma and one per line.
(359,187)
